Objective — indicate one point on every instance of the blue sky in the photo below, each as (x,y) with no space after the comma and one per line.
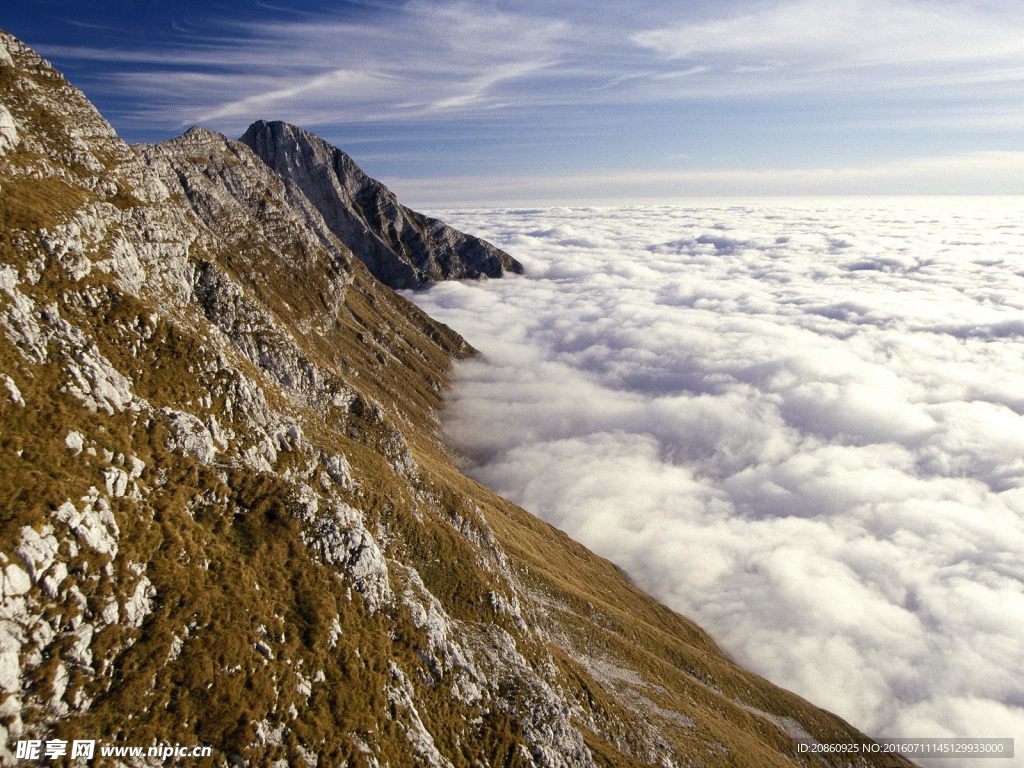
(531,102)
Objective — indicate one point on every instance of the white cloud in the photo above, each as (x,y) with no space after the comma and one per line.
(419,60)
(799,423)
(922,59)
(801,42)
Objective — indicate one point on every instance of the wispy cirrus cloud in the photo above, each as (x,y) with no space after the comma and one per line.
(429,57)
(811,45)
(424,59)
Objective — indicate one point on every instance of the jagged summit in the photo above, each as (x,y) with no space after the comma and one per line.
(401,247)
(199,133)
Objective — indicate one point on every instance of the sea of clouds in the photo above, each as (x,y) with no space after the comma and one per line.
(799,423)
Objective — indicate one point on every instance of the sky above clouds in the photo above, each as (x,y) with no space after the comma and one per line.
(799,423)
(457,102)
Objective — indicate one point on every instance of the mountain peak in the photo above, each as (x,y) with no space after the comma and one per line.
(199,133)
(401,247)
(195,139)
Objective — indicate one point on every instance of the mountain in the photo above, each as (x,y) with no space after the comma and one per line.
(229,518)
(402,248)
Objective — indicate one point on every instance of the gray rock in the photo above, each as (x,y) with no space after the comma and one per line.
(401,696)
(37,550)
(189,436)
(16,580)
(8,130)
(94,526)
(78,653)
(92,378)
(338,469)
(444,653)
(59,688)
(139,604)
(5,56)
(18,318)
(401,247)
(10,664)
(54,577)
(264,650)
(116,481)
(338,536)
(110,612)
(137,467)
(74,442)
(12,390)
(124,262)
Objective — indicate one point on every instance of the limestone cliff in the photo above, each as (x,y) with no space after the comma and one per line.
(228,518)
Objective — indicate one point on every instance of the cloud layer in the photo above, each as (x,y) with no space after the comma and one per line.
(800,424)
(995,172)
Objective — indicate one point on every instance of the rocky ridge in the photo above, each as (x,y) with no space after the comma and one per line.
(402,248)
(229,519)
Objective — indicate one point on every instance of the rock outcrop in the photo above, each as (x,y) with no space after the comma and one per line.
(229,518)
(401,247)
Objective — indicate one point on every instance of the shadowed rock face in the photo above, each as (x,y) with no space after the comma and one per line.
(401,247)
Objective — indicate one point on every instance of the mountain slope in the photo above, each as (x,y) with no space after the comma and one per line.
(401,247)
(229,519)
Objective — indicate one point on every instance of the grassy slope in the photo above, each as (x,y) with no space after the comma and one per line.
(226,558)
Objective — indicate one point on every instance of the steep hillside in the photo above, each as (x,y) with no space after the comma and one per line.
(228,518)
(401,247)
